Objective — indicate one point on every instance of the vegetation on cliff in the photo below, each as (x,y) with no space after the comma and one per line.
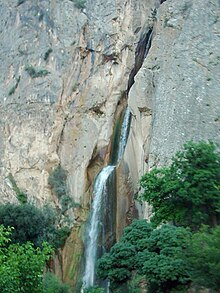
(187,192)
(175,250)
(33,224)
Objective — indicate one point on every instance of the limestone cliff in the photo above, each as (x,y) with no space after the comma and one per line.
(175,97)
(64,75)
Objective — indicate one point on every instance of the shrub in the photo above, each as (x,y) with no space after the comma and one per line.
(204,258)
(60,236)
(21,196)
(57,181)
(80,4)
(33,224)
(34,73)
(52,284)
(21,266)
(47,54)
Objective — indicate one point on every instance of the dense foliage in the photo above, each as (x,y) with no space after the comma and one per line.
(180,254)
(57,181)
(51,284)
(157,254)
(32,224)
(187,192)
(21,266)
(204,258)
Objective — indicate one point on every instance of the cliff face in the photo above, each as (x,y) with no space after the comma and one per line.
(177,89)
(64,74)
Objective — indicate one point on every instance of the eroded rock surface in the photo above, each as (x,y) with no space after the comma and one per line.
(179,83)
(63,72)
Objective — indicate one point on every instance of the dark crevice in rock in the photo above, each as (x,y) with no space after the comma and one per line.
(141,52)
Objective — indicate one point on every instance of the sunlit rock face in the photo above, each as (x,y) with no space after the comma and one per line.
(176,93)
(64,72)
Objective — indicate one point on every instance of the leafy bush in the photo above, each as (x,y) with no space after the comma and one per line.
(57,181)
(47,54)
(204,258)
(79,3)
(34,73)
(60,236)
(32,224)
(52,284)
(186,192)
(157,255)
(21,196)
(21,266)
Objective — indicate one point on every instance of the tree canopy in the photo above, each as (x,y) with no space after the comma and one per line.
(157,254)
(203,258)
(32,224)
(175,250)
(21,266)
(186,193)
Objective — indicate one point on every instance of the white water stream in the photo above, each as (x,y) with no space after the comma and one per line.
(93,231)
(124,134)
(100,192)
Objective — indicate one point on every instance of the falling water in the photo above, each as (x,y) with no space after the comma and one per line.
(101,192)
(124,134)
(94,227)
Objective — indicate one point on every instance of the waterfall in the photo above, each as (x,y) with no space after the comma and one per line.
(100,194)
(124,134)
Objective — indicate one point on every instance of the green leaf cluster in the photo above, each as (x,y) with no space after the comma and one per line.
(155,253)
(203,257)
(184,253)
(21,196)
(51,284)
(187,192)
(21,266)
(34,72)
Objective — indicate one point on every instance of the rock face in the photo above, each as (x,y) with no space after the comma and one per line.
(64,74)
(176,94)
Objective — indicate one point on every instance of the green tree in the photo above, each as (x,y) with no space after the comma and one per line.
(21,266)
(187,192)
(32,224)
(204,258)
(156,254)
